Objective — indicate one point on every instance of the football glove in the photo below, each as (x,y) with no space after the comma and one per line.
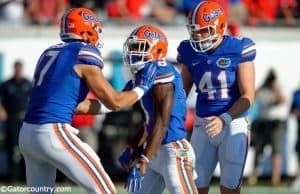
(126,157)
(145,77)
(134,180)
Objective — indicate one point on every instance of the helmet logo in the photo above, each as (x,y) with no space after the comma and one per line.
(213,15)
(153,35)
(87,16)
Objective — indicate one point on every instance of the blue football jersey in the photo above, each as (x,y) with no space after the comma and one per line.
(214,73)
(167,73)
(296,100)
(57,89)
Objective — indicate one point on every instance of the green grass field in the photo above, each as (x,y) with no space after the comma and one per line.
(213,190)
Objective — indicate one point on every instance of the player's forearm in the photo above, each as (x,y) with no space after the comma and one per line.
(240,106)
(120,100)
(154,141)
(139,138)
(112,102)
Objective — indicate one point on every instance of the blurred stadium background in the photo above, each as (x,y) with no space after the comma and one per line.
(28,27)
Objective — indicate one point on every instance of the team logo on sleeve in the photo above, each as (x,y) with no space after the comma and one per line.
(223,62)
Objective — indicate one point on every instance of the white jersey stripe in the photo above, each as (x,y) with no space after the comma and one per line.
(164,80)
(85,52)
(91,58)
(253,47)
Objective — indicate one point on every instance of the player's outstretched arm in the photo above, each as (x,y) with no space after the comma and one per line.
(103,90)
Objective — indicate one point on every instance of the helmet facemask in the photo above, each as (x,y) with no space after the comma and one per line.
(99,43)
(205,44)
(136,53)
(97,34)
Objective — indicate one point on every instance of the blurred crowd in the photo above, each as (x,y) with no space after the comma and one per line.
(163,12)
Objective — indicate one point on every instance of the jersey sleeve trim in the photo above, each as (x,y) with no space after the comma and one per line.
(249,49)
(91,54)
(249,54)
(248,45)
(164,78)
(89,57)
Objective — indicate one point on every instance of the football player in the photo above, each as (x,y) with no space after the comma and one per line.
(63,76)
(221,68)
(165,159)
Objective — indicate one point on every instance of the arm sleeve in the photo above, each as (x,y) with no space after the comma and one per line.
(164,74)
(248,52)
(183,55)
(90,55)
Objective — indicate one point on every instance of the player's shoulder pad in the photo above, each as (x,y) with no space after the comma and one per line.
(181,49)
(248,49)
(88,54)
(58,45)
(182,45)
(164,72)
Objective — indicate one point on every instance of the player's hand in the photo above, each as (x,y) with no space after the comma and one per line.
(214,126)
(126,158)
(136,176)
(145,77)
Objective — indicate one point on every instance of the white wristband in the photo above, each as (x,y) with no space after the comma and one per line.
(139,91)
(103,109)
(145,158)
(226,118)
